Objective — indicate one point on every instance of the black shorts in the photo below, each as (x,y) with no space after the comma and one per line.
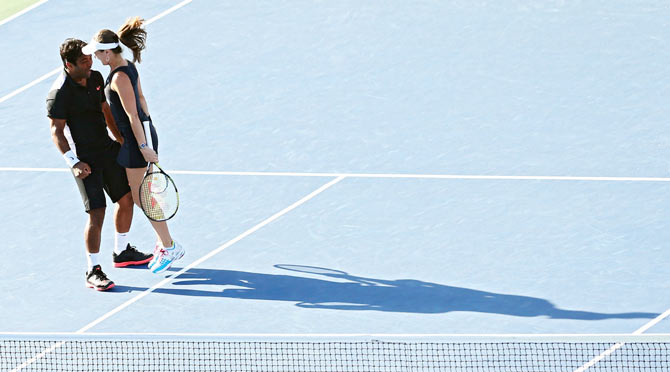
(106,174)
(130,155)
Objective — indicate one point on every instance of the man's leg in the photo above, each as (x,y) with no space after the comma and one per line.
(93,231)
(95,278)
(116,185)
(124,253)
(123,217)
(123,214)
(92,194)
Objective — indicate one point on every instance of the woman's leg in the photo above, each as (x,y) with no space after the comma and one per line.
(135,176)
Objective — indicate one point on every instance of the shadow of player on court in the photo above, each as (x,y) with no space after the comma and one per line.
(322,288)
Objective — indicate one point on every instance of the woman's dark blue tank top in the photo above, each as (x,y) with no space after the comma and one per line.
(122,120)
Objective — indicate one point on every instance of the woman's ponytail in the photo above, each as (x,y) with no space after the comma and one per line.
(133,35)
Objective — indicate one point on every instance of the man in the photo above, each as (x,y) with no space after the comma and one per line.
(80,116)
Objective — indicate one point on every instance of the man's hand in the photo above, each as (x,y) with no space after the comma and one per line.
(81,170)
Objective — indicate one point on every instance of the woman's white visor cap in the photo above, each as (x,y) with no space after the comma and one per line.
(94,46)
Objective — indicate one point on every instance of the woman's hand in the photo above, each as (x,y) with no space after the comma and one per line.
(150,155)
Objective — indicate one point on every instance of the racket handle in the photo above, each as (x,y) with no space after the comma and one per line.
(147,133)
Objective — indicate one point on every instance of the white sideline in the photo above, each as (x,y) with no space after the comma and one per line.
(212,254)
(432,337)
(379,175)
(618,345)
(24,11)
(57,70)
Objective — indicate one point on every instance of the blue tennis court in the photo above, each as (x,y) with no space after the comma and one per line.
(361,168)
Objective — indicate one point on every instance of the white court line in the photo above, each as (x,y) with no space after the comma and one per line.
(163,14)
(617,346)
(212,253)
(12,169)
(38,356)
(652,323)
(57,70)
(378,175)
(428,176)
(24,11)
(31,84)
(438,337)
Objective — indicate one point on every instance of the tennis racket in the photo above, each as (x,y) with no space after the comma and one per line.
(159,198)
(311,270)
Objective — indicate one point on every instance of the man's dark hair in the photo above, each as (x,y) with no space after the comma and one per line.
(70,50)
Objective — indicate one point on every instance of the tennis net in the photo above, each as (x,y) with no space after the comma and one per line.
(365,353)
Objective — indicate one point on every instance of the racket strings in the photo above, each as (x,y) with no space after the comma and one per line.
(158,183)
(159,198)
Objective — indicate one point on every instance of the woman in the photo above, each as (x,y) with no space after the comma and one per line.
(130,110)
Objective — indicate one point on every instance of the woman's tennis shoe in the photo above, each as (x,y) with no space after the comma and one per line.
(166,257)
(157,251)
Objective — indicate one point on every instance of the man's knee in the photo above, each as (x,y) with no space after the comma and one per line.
(96,217)
(126,202)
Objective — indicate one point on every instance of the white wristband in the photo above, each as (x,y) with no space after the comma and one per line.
(70,158)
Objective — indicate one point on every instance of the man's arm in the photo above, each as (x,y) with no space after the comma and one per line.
(111,123)
(143,101)
(80,169)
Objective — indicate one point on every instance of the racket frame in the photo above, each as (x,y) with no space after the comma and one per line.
(149,173)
